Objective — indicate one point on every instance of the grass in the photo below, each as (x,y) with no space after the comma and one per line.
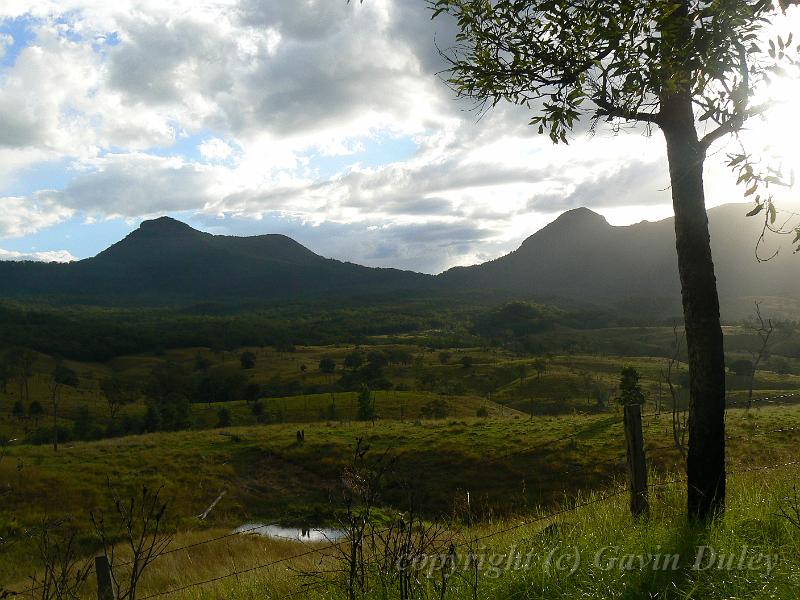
(497,380)
(596,527)
(511,466)
(514,465)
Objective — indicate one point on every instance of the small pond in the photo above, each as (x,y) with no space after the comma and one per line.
(298,534)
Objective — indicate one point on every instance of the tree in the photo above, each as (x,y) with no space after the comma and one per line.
(18,410)
(252,392)
(764,330)
(353,360)
(137,525)
(61,376)
(83,428)
(35,412)
(18,365)
(327,365)
(223,417)
(248,360)
(5,373)
(167,391)
(663,64)
(118,394)
(630,390)
(540,364)
(366,409)
(742,367)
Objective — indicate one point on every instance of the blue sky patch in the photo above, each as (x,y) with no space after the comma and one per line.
(20,30)
(79,238)
(377,151)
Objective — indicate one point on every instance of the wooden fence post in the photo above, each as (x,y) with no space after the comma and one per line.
(105,588)
(637,465)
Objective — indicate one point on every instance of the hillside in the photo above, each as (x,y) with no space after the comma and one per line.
(580,256)
(577,260)
(166,261)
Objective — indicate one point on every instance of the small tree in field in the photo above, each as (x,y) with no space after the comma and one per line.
(366,408)
(327,365)
(61,376)
(676,65)
(118,394)
(247,360)
(630,390)
(35,412)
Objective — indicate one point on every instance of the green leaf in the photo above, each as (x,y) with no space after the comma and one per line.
(755,211)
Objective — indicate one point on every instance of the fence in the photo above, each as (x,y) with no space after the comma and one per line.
(637,488)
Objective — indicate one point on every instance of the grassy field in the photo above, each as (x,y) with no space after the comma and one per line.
(549,435)
(541,385)
(511,466)
(606,540)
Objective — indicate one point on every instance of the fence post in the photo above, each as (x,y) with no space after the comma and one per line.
(637,465)
(105,589)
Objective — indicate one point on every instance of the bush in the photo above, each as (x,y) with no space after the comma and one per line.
(436,409)
(366,409)
(257,409)
(742,368)
(482,412)
(247,360)
(45,435)
(84,427)
(223,417)
(18,411)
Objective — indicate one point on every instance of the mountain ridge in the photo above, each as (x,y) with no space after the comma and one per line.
(578,256)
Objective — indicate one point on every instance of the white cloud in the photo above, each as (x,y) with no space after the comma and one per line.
(215,150)
(267,92)
(132,185)
(61,256)
(21,216)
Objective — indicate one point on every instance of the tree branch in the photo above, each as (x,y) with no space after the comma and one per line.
(606,109)
(732,125)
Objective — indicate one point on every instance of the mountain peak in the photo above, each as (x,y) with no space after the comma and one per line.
(581,215)
(166,225)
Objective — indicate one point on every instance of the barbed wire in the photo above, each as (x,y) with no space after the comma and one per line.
(514,527)
(743,436)
(551,515)
(208,541)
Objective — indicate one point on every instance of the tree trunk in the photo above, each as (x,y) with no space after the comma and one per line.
(706,456)
(55,420)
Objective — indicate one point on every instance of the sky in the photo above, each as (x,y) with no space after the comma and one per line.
(318,119)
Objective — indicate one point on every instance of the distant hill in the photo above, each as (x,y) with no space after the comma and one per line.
(581,257)
(577,260)
(166,261)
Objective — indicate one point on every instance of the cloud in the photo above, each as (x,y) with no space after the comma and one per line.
(60,256)
(426,247)
(635,183)
(133,185)
(6,40)
(263,111)
(215,150)
(21,216)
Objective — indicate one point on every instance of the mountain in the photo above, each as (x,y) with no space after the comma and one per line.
(577,260)
(166,261)
(581,257)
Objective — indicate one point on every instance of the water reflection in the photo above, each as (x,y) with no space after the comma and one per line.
(297,534)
